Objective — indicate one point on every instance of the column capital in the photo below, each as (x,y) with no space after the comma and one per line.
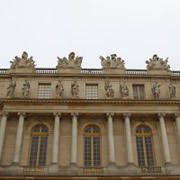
(57,114)
(126,114)
(74,114)
(109,114)
(22,114)
(5,113)
(177,115)
(161,115)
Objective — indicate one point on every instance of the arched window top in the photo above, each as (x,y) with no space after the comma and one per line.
(143,130)
(92,130)
(40,129)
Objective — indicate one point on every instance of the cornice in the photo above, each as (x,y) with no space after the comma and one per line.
(88,101)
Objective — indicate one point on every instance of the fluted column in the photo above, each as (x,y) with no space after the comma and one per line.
(111,138)
(56,138)
(74,138)
(178,125)
(19,136)
(128,138)
(164,138)
(2,131)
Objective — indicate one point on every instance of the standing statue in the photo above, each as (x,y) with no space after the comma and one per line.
(59,89)
(124,91)
(26,89)
(172,91)
(11,89)
(156,90)
(75,90)
(109,90)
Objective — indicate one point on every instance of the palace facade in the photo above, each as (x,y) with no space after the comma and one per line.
(73,123)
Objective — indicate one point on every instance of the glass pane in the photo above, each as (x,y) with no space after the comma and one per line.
(140,150)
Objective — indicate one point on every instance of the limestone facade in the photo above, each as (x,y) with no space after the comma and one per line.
(67,117)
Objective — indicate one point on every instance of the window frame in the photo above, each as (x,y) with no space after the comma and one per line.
(45,84)
(91,85)
(138,91)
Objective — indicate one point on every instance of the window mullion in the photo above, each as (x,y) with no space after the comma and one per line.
(39,144)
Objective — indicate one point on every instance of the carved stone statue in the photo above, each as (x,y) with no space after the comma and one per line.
(157,63)
(109,90)
(26,89)
(23,62)
(156,90)
(172,91)
(59,89)
(11,89)
(112,62)
(72,61)
(124,91)
(75,90)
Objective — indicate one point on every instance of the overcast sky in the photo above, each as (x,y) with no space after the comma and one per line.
(133,29)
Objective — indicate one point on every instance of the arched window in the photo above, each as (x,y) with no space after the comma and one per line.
(145,150)
(39,139)
(92,147)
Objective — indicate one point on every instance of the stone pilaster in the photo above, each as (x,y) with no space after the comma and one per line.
(2,131)
(19,136)
(178,125)
(128,138)
(164,139)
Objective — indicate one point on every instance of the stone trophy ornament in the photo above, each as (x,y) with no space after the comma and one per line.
(22,64)
(156,65)
(26,89)
(11,89)
(156,90)
(124,90)
(75,90)
(71,64)
(59,89)
(113,64)
(172,91)
(109,90)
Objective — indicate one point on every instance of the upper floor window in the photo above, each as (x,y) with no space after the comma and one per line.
(145,149)
(91,91)
(138,91)
(38,150)
(44,91)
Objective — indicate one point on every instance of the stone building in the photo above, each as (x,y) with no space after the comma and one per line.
(73,123)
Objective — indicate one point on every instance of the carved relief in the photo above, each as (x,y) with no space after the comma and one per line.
(11,89)
(124,90)
(26,89)
(75,90)
(59,89)
(71,62)
(156,90)
(23,62)
(112,62)
(157,63)
(109,90)
(172,91)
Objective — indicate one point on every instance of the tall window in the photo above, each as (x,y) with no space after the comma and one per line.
(145,150)
(92,147)
(138,91)
(91,91)
(44,91)
(39,139)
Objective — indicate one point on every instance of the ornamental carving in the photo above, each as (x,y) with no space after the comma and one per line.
(11,89)
(156,90)
(75,90)
(22,62)
(172,91)
(26,89)
(124,90)
(59,89)
(157,63)
(112,62)
(70,62)
(109,90)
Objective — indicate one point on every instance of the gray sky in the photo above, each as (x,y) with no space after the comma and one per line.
(133,29)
